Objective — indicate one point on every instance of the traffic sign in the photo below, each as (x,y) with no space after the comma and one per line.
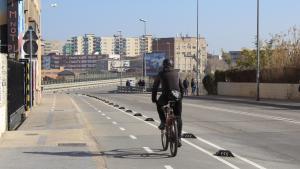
(27,34)
(26,47)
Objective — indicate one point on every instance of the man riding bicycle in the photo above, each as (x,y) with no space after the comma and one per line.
(170,82)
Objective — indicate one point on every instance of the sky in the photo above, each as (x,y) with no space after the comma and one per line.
(226,24)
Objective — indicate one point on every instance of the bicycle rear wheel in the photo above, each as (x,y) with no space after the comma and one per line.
(173,138)
(164,139)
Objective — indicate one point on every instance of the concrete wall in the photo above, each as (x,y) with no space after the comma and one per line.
(267,90)
(3,93)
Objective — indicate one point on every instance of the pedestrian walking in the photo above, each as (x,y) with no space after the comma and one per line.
(193,86)
(186,87)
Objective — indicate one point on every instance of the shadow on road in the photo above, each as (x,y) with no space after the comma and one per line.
(131,153)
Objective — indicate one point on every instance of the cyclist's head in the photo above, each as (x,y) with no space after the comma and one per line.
(167,63)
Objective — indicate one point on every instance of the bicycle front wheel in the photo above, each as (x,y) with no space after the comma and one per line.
(164,139)
(173,138)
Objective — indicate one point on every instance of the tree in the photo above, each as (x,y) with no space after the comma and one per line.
(227,58)
(247,59)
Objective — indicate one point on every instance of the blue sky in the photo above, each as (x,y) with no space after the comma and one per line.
(228,24)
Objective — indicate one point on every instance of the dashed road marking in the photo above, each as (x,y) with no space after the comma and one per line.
(132,137)
(123,129)
(148,149)
(201,149)
(191,144)
(99,111)
(114,123)
(103,114)
(168,167)
(108,118)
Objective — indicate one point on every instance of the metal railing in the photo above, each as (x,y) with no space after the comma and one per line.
(89,77)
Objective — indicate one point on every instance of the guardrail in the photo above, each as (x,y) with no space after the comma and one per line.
(82,85)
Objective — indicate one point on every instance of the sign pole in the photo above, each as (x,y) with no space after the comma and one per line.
(30,60)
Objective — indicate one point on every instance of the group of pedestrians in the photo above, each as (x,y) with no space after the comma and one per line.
(186,86)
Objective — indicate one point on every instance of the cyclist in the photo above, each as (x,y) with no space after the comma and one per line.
(170,81)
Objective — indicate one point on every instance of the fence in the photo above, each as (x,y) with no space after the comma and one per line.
(89,77)
(16,93)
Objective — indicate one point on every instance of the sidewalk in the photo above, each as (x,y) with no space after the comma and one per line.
(246,100)
(52,137)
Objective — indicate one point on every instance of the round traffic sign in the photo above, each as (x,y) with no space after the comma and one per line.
(26,47)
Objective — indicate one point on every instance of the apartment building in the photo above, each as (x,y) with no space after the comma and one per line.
(89,44)
(107,45)
(146,44)
(77,44)
(183,52)
(68,48)
(126,46)
(131,47)
(52,47)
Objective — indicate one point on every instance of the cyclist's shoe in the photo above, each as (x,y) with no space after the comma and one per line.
(162,126)
(179,143)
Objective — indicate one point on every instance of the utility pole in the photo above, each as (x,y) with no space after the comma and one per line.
(258,57)
(197,54)
(120,53)
(144,47)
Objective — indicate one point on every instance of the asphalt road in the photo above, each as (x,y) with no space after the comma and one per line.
(259,136)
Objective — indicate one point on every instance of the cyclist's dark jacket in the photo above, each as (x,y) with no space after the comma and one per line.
(169,80)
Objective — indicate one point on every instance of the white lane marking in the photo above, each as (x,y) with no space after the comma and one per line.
(205,141)
(132,137)
(99,111)
(168,167)
(108,118)
(211,155)
(123,129)
(148,149)
(191,144)
(246,113)
(76,106)
(213,145)
(103,114)
(114,122)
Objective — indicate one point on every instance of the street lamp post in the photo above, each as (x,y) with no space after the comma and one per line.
(257,54)
(144,47)
(197,54)
(121,65)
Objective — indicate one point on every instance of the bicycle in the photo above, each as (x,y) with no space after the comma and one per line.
(169,135)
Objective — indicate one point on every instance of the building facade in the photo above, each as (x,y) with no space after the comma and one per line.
(52,47)
(131,47)
(146,44)
(89,44)
(107,45)
(77,45)
(68,48)
(235,55)
(182,50)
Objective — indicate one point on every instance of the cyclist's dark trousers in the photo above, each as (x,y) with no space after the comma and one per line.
(163,100)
